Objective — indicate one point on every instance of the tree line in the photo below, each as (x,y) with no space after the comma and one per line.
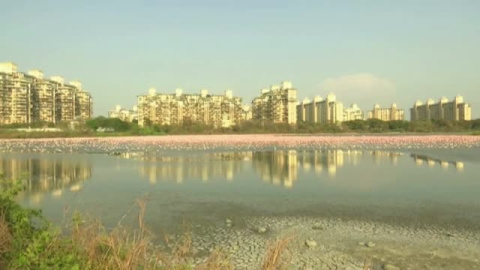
(357,126)
(106,125)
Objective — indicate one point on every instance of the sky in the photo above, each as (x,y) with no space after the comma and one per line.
(364,51)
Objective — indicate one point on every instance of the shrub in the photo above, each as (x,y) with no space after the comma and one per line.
(28,241)
(113,123)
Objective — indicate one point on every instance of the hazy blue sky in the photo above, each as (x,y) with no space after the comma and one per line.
(364,51)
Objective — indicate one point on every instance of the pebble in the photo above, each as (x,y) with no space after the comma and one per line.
(310,243)
(262,230)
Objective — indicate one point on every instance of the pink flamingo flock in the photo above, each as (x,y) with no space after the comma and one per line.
(237,142)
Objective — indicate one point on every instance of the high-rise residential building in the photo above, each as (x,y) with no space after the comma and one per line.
(124,114)
(320,110)
(353,113)
(83,102)
(83,105)
(246,113)
(15,95)
(65,99)
(29,97)
(444,109)
(276,105)
(44,99)
(387,114)
(178,108)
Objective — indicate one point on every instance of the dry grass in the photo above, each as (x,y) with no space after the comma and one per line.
(100,248)
(179,252)
(6,238)
(117,249)
(370,264)
(367,264)
(217,261)
(122,250)
(275,258)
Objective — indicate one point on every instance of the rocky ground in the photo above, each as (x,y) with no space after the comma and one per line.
(322,243)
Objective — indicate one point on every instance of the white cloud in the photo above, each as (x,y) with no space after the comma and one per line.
(364,89)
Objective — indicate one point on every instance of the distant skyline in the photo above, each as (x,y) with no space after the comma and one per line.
(366,52)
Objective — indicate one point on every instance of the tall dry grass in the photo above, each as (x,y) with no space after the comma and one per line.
(372,264)
(218,260)
(6,239)
(115,249)
(276,257)
(119,248)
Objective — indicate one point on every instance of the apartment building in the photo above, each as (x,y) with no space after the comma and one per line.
(178,108)
(83,102)
(44,98)
(321,110)
(353,113)
(15,95)
(246,114)
(29,97)
(65,99)
(276,105)
(444,109)
(387,114)
(124,114)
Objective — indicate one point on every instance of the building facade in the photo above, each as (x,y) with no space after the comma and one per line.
(455,110)
(387,114)
(176,109)
(320,110)
(29,97)
(276,105)
(124,114)
(83,105)
(44,105)
(15,95)
(353,113)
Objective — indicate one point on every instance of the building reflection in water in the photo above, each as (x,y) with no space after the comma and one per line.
(380,156)
(48,175)
(432,162)
(279,167)
(43,176)
(203,167)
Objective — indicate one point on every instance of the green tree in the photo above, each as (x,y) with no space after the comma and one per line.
(399,126)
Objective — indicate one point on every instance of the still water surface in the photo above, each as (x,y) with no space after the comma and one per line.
(205,187)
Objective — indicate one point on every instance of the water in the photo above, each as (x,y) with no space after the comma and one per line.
(434,187)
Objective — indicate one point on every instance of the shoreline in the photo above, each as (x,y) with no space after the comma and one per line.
(72,135)
(325,243)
